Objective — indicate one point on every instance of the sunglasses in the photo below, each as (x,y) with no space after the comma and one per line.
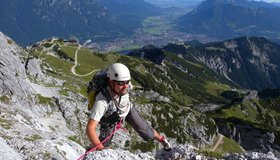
(121,83)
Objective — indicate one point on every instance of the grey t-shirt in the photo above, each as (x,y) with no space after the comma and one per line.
(101,105)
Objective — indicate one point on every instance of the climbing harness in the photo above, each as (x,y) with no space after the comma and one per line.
(118,126)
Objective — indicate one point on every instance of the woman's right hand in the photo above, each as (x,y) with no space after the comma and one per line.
(100,147)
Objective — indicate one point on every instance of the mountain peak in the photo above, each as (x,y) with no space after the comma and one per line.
(225,19)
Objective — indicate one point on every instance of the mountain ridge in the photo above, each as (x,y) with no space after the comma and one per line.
(227,19)
(256,57)
(69,18)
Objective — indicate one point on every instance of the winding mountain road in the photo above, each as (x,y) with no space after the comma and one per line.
(220,141)
(95,70)
(76,63)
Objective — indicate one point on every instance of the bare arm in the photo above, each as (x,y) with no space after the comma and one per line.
(92,135)
(157,136)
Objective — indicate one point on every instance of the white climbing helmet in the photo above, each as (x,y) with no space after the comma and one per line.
(118,72)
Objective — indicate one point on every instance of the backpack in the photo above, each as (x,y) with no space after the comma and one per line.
(96,85)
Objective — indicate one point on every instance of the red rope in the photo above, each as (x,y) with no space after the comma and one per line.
(118,126)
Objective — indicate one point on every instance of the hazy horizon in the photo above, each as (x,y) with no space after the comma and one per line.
(278,1)
(182,3)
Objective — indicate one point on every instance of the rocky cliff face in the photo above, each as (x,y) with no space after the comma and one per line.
(30,127)
(249,137)
(180,152)
(251,62)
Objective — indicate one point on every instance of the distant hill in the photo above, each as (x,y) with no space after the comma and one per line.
(276,3)
(175,3)
(149,52)
(251,62)
(130,13)
(30,21)
(226,19)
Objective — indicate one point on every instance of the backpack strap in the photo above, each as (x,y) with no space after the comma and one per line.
(110,117)
(106,94)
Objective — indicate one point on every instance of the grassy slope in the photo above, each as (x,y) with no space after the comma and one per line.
(255,112)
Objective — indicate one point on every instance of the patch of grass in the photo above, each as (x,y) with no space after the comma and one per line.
(52,128)
(5,124)
(10,41)
(235,111)
(75,139)
(250,110)
(58,65)
(242,111)
(64,55)
(47,45)
(72,86)
(229,146)
(64,92)
(47,155)
(33,137)
(69,51)
(87,62)
(217,90)
(59,41)
(210,153)
(5,136)
(142,100)
(51,72)
(44,100)
(5,99)
(34,53)
(143,146)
